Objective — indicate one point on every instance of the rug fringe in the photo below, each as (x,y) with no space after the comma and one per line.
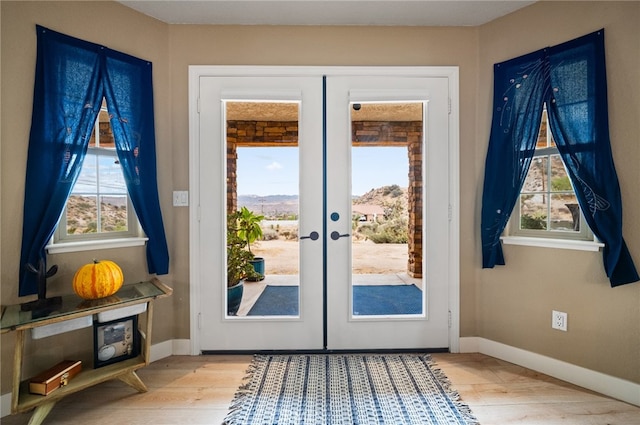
(464,409)
(243,390)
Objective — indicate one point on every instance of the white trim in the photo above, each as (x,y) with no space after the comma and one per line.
(470,344)
(608,385)
(160,351)
(553,243)
(271,96)
(5,405)
(181,347)
(194,207)
(198,71)
(454,210)
(174,347)
(63,247)
(384,95)
(604,384)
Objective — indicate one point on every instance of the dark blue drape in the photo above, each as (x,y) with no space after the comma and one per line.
(129,94)
(518,103)
(72,76)
(571,79)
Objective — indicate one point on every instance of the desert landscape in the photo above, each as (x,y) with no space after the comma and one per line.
(281,257)
(279,246)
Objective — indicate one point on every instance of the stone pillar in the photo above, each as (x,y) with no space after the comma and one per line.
(232,179)
(414,193)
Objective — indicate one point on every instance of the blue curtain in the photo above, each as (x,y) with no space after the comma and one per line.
(129,94)
(518,103)
(70,82)
(571,79)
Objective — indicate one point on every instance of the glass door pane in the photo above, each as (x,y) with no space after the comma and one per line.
(263,206)
(386,173)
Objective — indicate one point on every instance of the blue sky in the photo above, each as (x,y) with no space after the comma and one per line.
(274,171)
(111,178)
(271,171)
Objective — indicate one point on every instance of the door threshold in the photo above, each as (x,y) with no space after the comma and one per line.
(327,351)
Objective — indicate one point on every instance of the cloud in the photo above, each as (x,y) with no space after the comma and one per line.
(274,166)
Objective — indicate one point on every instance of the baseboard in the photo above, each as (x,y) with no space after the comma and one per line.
(175,347)
(469,344)
(181,347)
(604,384)
(608,385)
(5,405)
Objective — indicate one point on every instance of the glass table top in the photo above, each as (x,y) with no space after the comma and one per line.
(17,315)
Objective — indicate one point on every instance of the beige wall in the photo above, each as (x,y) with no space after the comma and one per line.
(119,28)
(515,301)
(510,304)
(261,45)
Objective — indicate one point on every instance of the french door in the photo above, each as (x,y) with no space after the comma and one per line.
(322,130)
(426,325)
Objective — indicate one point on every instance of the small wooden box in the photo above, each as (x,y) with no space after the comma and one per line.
(54,378)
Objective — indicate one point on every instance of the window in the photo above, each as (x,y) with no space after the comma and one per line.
(71,76)
(98,206)
(547,206)
(571,77)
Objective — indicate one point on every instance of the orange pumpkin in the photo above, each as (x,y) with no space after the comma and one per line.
(98,280)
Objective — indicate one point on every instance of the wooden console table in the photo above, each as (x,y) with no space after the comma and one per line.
(73,307)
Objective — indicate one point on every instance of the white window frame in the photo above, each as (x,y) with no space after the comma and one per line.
(514,235)
(133,236)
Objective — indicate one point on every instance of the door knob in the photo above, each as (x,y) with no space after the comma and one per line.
(336,235)
(313,236)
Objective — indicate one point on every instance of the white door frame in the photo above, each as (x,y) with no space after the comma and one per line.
(198,71)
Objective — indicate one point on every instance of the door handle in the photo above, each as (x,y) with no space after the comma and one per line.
(313,236)
(336,235)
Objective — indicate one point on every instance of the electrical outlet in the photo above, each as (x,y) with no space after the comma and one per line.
(559,320)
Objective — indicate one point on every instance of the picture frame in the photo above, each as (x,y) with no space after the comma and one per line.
(115,341)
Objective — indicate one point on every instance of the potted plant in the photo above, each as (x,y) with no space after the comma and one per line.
(250,231)
(239,265)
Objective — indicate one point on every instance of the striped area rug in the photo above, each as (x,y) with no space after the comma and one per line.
(333,389)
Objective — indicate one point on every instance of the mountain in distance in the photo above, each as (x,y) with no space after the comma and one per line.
(273,207)
(81,210)
(383,196)
(286,206)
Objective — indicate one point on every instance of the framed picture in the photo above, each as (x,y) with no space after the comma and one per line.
(115,341)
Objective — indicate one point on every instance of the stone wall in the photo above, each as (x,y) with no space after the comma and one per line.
(262,133)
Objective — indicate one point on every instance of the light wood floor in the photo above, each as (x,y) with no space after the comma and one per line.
(198,390)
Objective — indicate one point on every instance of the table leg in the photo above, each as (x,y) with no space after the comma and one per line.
(17,370)
(133,380)
(41,412)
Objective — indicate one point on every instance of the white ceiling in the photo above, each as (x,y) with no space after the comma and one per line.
(327,12)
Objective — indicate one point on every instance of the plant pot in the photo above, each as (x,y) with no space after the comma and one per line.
(258,266)
(234,298)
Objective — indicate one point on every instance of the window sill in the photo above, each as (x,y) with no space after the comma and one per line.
(60,248)
(553,243)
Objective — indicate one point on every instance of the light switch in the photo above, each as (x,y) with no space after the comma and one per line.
(180,198)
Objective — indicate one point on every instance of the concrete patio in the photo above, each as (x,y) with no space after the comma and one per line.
(253,290)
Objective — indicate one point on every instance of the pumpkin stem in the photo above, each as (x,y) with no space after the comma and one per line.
(95,261)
